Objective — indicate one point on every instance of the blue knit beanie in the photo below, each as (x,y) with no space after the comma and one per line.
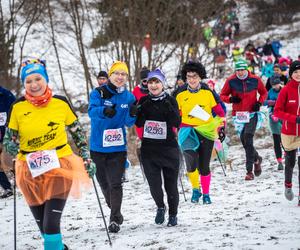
(34,68)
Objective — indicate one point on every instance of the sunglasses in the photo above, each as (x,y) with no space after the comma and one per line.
(33,61)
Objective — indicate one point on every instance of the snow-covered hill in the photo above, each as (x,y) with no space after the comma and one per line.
(243,215)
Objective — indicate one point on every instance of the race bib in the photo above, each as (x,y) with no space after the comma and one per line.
(40,162)
(242,117)
(3,118)
(155,130)
(113,137)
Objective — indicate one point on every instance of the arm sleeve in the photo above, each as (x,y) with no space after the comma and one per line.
(279,110)
(96,108)
(10,142)
(218,110)
(11,98)
(225,92)
(140,118)
(79,139)
(174,117)
(129,120)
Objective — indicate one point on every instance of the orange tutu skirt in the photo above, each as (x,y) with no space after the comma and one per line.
(70,179)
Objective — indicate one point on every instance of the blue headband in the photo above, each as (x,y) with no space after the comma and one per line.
(34,68)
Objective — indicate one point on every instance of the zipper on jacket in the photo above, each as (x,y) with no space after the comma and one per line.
(244,91)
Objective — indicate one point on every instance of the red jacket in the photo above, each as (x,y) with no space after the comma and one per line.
(246,89)
(137,92)
(287,108)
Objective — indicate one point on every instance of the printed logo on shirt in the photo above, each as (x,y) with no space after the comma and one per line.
(42,140)
(292,101)
(27,113)
(53,125)
(124,106)
(108,103)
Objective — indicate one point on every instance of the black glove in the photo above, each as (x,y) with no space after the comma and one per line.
(298,119)
(234,99)
(256,106)
(109,111)
(133,110)
(222,134)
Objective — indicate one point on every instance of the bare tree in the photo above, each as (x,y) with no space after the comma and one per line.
(171,26)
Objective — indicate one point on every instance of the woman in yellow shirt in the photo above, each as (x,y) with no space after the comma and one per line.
(47,171)
(197,103)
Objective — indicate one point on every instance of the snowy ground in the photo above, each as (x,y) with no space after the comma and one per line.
(244,215)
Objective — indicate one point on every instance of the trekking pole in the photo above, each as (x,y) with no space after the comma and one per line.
(181,159)
(220,162)
(15,205)
(96,191)
(180,180)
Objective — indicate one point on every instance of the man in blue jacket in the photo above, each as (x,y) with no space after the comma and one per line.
(111,108)
(6,100)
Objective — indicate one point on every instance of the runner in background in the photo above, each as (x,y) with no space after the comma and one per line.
(241,89)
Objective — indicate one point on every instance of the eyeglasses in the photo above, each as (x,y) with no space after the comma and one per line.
(33,61)
(123,74)
(194,76)
(144,80)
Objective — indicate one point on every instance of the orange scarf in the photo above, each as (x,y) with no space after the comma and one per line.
(40,101)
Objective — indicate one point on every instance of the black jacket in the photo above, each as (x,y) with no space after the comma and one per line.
(165,110)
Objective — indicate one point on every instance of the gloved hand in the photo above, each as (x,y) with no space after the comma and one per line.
(133,110)
(90,167)
(109,112)
(222,134)
(256,106)
(274,118)
(298,120)
(271,103)
(235,99)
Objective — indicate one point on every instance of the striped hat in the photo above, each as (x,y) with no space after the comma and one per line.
(241,64)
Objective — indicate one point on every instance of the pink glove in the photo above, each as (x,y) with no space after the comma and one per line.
(274,118)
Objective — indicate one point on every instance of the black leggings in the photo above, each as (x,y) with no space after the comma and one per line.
(201,158)
(290,160)
(277,145)
(47,215)
(161,162)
